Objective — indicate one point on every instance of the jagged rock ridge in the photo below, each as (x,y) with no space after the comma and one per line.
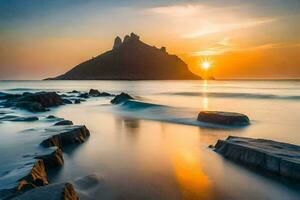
(131,59)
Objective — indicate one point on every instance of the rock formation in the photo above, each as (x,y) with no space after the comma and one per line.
(60,191)
(34,102)
(131,59)
(223,118)
(276,157)
(121,98)
(68,136)
(64,123)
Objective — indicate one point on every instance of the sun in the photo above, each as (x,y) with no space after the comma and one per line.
(205,65)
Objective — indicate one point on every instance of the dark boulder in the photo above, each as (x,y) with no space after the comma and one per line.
(223,118)
(77,101)
(35,102)
(121,98)
(74,91)
(67,101)
(19,119)
(84,95)
(69,136)
(94,93)
(51,117)
(59,191)
(53,160)
(63,123)
(36,177)
(46,99)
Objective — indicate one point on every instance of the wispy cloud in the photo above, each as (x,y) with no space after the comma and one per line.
(224,46)
(198,20)
(217,28)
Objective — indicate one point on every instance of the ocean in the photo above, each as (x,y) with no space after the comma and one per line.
(158,152)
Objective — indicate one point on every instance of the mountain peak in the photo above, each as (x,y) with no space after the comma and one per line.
(131,59)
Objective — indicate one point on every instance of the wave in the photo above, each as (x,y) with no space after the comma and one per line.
(235,95)
(164,113)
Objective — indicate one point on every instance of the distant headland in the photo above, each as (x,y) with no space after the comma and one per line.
(131,59)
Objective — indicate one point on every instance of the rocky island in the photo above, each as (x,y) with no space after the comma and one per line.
(131,59)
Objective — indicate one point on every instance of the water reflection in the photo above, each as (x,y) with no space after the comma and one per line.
(192,180)
(205,98)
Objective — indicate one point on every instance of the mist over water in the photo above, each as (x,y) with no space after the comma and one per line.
(158,150)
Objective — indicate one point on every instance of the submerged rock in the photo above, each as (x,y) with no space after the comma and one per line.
(223,118)
(18,118)
(276,157)
(51,117)
(67,101)
(36,177)
(68,136)
(77,101)
(121,98)
(74,91)
(53,160)
(96,93)
(61,191)
(63,123)
(88,181)
(84,95)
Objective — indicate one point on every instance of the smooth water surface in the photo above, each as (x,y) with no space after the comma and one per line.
(151,153)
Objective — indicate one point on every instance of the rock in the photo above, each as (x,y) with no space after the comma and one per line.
(53,160)
(94,93)
(35,102)
(276,157)
(163,49)
(67,101)
(77,101)
(121,98)
(60,191)
(36,177)
(74,91)
(117,43)
(31,106)
(19,119)
(51,117)
(68,136)
(63,123)
(223,118)
(131,59)
(88,181)
(46,99)
(84,95)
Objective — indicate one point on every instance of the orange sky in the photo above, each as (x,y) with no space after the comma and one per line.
(250,40)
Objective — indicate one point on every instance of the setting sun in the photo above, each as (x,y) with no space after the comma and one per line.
(205,65)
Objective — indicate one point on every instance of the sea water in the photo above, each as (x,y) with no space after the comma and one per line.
(161,151)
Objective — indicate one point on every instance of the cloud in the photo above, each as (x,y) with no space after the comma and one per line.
(222,48)
(217,28)
(192,21)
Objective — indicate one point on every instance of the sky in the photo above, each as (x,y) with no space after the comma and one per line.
(241,39)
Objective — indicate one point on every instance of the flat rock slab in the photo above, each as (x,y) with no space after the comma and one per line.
(223,118)
(276,157)
(61,191)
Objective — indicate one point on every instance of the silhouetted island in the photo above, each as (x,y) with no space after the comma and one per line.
(131,59)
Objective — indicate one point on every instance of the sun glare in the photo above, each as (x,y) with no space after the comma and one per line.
(205,65)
